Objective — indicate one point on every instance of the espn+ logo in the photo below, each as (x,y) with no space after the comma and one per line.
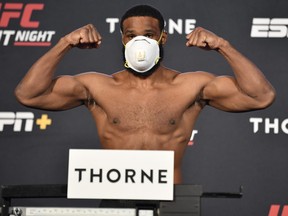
(22,121)
(269,28)
(22,14)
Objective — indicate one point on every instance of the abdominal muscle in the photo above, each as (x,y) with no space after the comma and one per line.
(147,140)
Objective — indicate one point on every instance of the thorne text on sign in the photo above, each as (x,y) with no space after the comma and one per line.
(121,174)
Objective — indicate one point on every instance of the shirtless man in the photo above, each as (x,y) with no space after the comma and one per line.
(153,109)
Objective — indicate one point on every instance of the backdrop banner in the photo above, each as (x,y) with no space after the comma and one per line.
(226,150)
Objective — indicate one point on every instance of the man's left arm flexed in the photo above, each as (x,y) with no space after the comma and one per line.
(247,90)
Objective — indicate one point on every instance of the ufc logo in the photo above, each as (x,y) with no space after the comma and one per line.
(21,12)
(16,119)
(191,141)
(275,210)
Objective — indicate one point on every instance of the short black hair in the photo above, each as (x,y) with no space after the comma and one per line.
(143,10)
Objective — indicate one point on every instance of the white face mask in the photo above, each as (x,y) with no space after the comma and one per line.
(141,54)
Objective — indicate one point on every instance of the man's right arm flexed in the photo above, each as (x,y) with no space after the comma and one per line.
(41,89)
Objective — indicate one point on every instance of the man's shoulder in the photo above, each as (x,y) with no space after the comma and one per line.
(195,76)
(197,73)
(92,74)
(95,80)
(93,77)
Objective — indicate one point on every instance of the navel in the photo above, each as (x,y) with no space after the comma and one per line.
(116,121)
(172,122)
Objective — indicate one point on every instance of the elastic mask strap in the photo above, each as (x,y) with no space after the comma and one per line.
(126,64)
(123,44)
(160,37)
(157,60)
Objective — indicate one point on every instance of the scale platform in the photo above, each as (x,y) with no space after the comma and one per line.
(187,202)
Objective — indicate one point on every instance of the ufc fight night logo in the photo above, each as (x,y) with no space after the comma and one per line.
(269,28)
(22,15)
(277,210)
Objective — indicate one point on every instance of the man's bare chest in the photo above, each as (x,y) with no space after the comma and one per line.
(147,109)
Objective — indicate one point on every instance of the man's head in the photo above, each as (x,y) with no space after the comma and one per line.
(144,11)
(143,20)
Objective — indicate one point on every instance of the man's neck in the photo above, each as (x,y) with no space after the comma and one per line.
(147,80)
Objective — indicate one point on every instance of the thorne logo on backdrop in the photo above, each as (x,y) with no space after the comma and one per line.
(121,174)
(180,26)
(269,28)
(22,14)
(269,126)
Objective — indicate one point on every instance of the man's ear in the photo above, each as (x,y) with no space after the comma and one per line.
(164,37)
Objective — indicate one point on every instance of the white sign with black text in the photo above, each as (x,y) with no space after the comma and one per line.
(120,174)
